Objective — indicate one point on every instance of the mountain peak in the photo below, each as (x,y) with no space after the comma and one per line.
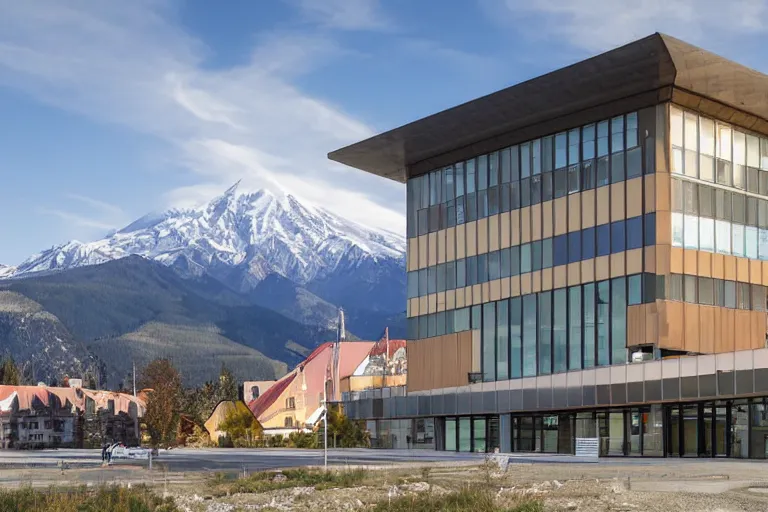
(240,237)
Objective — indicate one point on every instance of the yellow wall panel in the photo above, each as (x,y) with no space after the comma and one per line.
(450,299)
(505,291)
(432,303)
(707,329)
(603,205)
(636,325)
(663,228)
(574,212)
(525,284)
(495,289)
(634,197)
(561,216)
(441,250)
(663,196)
(765,273)
(423,305)
(536,281)
(587,209)
(450,244)
(742,270)
(691,327)
(477,294)
(547,219)
(755,271)
(651,323)
(468,298)
(663,259)
(460,302)
(440,301)
(485,292)
(718,266)
(618,203)
(514,286)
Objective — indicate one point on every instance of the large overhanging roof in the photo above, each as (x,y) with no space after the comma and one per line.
(641,74)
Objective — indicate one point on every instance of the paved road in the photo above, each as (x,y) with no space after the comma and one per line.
(193,460)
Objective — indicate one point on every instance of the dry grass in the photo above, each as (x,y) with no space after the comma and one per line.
(266,481)
(471,499)
(103,499)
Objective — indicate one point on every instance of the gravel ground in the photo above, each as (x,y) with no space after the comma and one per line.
(684,486)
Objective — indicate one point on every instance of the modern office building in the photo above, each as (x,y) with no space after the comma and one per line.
(587,257)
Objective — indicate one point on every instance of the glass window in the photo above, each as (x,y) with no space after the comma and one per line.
(738,209)
(764,154)
(482,268)
(737,233)
(707,234)
(588,142)
(677,160)
(545,333)
(724,172)
(469,166)
(730,294)
(706,201)
(724,139)
(526,264)
(632,131)
(547,154)
(691,232)
(432,280)
(723,237)
(752,211)
(536,157)
(489,341)
(471,263)
(589,324)
(536,255)
(461,273)
(634,233)
(561,182)
(493,169)
(602,138)
(751,239)
(743,296)
(574,325)
(516,338)
(529,335)
(677,229)
(482,172)
(536,189)
(560,250)
(574,247)
(618,321)
(635,289)
(546,253)
(758,297)
(603,178)
(676,126)
(588,243)
(502,340)
(459,172)
(617,236)
(604,240)
(706,291)
(525,160)
(561,148)
(690,197)
(677,195)
(719,292)
(559,332)
(603,323)
(706,168)
(514,260)
(494,265)
(617,134)
(574,181)
(506,165)
(689,289)
(722,204)
(634,163)
(650,229)
(706,136)
(675,287)
(588,177)
(573,146)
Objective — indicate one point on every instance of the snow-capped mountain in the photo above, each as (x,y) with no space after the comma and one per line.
(239,238)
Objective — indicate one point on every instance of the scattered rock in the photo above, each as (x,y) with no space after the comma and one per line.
(571,506)
(544,486)
(302,491)
(415,487)
(279,477)
(557,484)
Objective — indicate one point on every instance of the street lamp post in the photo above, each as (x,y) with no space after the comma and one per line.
(325,431)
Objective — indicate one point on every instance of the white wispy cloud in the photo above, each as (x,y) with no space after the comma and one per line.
(345,14)
(102,206)
(77,220)
(129,63)
(598,25)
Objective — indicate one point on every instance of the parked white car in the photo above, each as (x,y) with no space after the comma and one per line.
(123,452)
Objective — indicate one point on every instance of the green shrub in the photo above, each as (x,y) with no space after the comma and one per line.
(466,500)
(300,477)
(103,499)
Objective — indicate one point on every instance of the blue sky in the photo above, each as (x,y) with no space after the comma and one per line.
(112,109)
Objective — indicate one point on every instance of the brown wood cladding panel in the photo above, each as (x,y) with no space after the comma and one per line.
(603,206)
(765,273)
(634,197)
(663,259)
(574,274)
(536,222)
(547,219)
(525,225)
(729,267)
(650,193)
(618,202)
(506,240)
(652,323)
(561,216)
(728,343)
(663,228)
(663,196)
(464,349)
(574,212)
(588,209)
(691,321)
(494,237)
(718,320)
(743,331)
(705,263)
(755,272)
(742,270)
(718,266)
(636,316)
(707,329)
(676,259)
(649,263)
(758,329)
(482,236)
(412,352)
(690,262)
(413,254)
(671,325)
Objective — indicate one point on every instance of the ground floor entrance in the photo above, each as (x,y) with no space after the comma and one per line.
(727,428)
